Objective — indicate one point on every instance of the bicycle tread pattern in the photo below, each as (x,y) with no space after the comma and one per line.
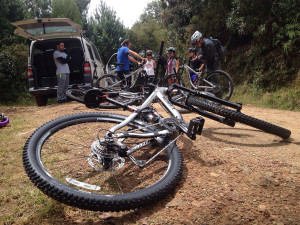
(240,117)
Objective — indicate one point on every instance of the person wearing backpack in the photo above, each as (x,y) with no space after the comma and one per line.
(207,51)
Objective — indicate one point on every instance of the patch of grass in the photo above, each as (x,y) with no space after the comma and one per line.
(286,98)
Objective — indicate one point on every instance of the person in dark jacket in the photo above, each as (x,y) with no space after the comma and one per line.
(207,52)
(195,63)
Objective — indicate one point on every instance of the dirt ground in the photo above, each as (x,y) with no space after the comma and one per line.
(231,175)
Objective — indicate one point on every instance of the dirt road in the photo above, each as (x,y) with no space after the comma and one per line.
(231,175)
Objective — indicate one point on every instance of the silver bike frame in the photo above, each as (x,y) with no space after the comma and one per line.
(160,93)
(205,88)
(133,79)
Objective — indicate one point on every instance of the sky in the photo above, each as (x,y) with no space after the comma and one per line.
(128,11)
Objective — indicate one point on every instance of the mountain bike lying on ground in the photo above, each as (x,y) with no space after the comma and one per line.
(113,83)
(112,162)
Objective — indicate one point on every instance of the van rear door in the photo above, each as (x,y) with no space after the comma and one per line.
(44,28)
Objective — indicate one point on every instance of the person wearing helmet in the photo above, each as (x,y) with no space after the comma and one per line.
(150,66)
(172,65)
(123,57)
(207,52)
(195,63)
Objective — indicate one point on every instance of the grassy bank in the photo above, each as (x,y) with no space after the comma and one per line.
(286,98)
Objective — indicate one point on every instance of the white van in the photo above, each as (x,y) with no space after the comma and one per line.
(43,35)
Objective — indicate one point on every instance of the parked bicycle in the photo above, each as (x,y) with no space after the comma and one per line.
(112,162)
(114,83)
(217,82)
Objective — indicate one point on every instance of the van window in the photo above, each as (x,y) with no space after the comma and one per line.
(90,51)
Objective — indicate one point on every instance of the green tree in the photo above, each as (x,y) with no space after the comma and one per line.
(10,11)
(13,73)
(108,30)
(38,8)
(148,31)
(83,9)
(66,9)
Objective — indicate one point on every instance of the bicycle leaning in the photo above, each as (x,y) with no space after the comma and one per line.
(217,82)
(112,162)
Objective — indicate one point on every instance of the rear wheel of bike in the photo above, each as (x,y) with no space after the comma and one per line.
(223,84)
(62,159)
(239,117)
(110,82)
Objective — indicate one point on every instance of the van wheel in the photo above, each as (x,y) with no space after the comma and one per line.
(41,100)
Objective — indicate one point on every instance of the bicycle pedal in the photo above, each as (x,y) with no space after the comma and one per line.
(195,127)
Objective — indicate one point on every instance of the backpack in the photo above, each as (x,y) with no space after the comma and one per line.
(219,47)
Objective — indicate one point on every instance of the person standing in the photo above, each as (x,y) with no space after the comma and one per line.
(195,63)
(172,65)
(150,66)
(207,52)
(62,72)
(123,57)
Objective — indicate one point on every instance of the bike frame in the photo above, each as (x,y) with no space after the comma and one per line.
(200,77)
(160,93)
(158,135)
(133,76)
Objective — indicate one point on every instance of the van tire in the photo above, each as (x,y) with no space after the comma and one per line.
(41,100)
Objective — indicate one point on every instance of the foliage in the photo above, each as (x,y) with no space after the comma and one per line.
(13,76)
(148,32)
(108,30)
(38,8)
(287,98)
(66,9)
(83,9)
(10,11)
(261,36)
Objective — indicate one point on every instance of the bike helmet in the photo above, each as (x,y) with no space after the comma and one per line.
(171,49)
(149,52)
(196,37)
(192,49)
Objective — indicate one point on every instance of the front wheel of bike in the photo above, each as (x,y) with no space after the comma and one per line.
(223,85)
(239,117)
(63,159)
